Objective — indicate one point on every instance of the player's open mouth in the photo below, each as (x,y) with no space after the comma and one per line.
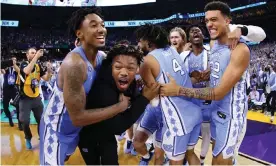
(196,37)
(174,44)
(101,38)
(123,83)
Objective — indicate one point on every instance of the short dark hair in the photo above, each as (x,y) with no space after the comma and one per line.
(74,23)
(154,34)
(192,26)
(124,42)
(29,49)
(121,49)
(218,5)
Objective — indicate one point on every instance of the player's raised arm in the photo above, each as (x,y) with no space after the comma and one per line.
(239,62)
(74,75)
(248,32)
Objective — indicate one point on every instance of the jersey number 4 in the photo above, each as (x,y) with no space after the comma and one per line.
(177,67)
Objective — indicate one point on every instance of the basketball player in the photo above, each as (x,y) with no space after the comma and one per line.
(227,81)
(65,113)
(149,124)
(178,40)
(180,128)
(196,61)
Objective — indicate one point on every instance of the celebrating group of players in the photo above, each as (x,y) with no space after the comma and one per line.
(187,88)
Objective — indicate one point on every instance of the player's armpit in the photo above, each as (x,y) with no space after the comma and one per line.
(149,70)
(238,64)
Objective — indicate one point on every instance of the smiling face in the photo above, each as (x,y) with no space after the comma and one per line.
(195,35)
(124,69)
(92,31)
(216,23)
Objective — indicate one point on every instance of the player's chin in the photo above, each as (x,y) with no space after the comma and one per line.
(100,45)
(122,87)
(214,37)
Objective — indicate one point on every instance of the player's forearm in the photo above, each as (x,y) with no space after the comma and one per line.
(16,68)
(91,116)
(28,69)
(81,117)
(200,93)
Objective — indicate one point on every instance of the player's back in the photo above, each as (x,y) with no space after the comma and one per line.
(56,116)
(236,99)
(181,115)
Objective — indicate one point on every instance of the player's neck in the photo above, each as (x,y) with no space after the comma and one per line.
(90,53)
(223,40)
(180,49)
(197,48)
(152,48)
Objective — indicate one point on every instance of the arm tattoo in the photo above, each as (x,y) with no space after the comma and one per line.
(199,93)
(75,89)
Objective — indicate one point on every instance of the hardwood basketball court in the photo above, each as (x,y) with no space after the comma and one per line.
(13,150)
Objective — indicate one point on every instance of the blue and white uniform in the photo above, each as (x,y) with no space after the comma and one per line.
(199,63)
(152,122)
(181,117)
(58,135)
(229,113)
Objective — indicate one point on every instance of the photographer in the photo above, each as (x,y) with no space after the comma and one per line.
(30,100)
(10,89)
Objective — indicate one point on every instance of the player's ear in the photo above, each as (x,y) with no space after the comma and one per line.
(79,34)
(228,20)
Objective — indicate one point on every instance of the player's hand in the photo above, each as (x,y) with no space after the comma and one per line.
(39,53)
(196,74)
(152,91)
(124,102)
(234,38)
(205,75)
(187,47)
(170,89)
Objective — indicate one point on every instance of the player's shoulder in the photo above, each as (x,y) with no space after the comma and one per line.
(73,61)
(241,54)
(242,48)
(102,53)
(149,59)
